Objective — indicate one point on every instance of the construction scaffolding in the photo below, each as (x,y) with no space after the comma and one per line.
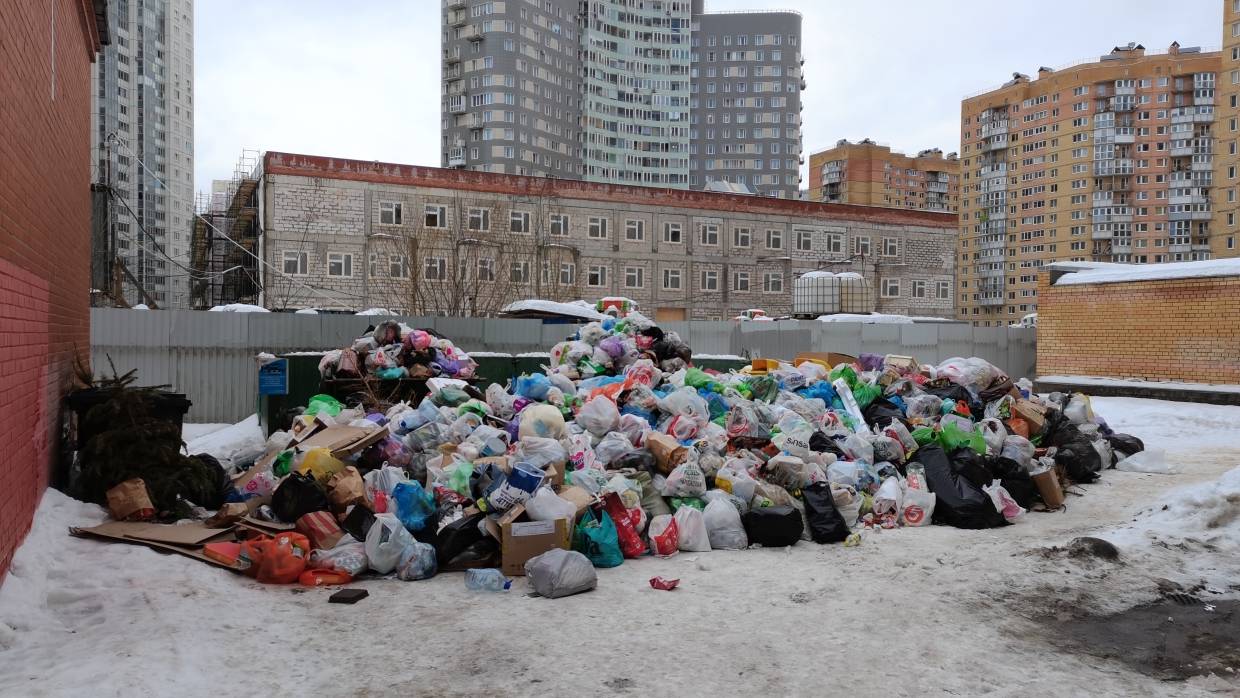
(224,249)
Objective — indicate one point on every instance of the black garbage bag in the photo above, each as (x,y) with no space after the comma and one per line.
(1125,444)
(297,495)
(971,465)
(826,523)
(1000,386)
(637,460)
(1015,479)
(880,413)
(1058,429)
(960,503)
(819,442)
(1080,460)
(455,537)
(947,390)
(358,521)
(773,527)
(481,553)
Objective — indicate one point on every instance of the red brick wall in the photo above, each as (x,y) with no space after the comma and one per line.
(1177,330)
(45,49)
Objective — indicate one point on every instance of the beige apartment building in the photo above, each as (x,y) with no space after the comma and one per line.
(868,174)
(1110,160)
(344,234)
(1226,131)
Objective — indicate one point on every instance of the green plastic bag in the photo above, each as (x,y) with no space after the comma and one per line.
(764,388)
(952,437)
(459,475)
(695,502)
(450,397)
(848,373)
(866,393)
(697,378)
(283,464)
(326,404)
(923,435)
(596,538)
(477,407)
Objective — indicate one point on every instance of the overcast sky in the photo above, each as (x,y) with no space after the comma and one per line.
(361,79)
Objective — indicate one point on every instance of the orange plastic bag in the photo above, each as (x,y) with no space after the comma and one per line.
(324,577)
(1018,426)
(279,560)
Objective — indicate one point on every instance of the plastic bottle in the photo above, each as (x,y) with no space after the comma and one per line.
(915,476)
(486,580)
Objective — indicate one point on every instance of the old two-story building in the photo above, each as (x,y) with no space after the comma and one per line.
(345,234)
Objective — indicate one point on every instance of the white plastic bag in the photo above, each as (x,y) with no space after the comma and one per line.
(1019,449)
(541,420)
(1003,502)
(557,573)
(1078,409)
(994,433)
(734,478)
(844,472)
(691,526)
(687,480)
(599,416)
(723,525)
(385,541)
(858,448)
(383,480)
(539,452)
(917,508)
(889,498)
(613,445)
(1151,460)
(546,505)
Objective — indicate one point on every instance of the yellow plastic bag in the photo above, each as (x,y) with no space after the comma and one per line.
(320,463)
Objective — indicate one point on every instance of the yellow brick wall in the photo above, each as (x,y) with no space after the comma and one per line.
(1177,330)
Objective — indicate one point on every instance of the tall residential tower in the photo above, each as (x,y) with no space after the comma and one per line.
(144,96)
(1109,161)
(647,92)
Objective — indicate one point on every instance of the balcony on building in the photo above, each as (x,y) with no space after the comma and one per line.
(938,187)
(1200,115)
(996,127)
(990,300)
(1195,196)
(996,142)
(1123,103)
(456,104)
(452,56)
(456,157)
(1121,244)
(991,242)
(1125,134)
(1113,167)
(458,18)
(472,33)
(996,170)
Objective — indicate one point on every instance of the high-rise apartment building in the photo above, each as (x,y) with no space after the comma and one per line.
(1226,227)
(1110,160)
(869,174)
(645,92)
(144,95)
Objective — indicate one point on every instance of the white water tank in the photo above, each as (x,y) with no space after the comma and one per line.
(815,293)
(855,293)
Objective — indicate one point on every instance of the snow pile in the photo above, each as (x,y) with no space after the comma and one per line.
(239,308)
(376,311)
(868,319)
(307,311)
(141,306)
(232,445)
(577,309)
(1117,273)
(1138,383)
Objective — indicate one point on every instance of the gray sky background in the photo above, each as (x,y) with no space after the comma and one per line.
(361,79)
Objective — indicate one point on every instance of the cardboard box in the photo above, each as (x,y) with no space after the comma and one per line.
(519,541)
(555,475)
(1033,414)
(344,442)
(580,497)
(188,540)
(828,360)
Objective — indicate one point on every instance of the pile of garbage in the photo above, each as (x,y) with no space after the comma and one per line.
(622,448)
(393,351)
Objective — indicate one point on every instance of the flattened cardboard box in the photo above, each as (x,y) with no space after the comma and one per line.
(344,441)
(187,540)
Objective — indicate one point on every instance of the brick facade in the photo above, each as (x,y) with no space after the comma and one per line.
(1170,330)
(680,253)
(46,49)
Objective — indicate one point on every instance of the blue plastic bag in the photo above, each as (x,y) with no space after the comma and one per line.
(414,505)
(821,390)
(533,386)
(596,538)
(417,561)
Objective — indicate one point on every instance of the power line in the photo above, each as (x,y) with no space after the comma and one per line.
(294,280)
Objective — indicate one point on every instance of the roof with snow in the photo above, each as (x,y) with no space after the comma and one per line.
(1074,273)
(538,308)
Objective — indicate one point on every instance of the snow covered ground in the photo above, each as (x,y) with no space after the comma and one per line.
(911,612)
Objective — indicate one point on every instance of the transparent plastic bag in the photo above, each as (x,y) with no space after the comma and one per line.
(691,529)
(417,561)
(858,448)
(1019,449)
(599,416)
(546,505)
(734,478)
(385,541)
(539,452)
(349,556)
(724,530)
(611,447)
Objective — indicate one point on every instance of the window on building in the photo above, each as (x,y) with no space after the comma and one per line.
(835,243)
(597,275)
(740,281)
(486,270)
(435,216)
(390,212)
(774,239)
(861,245)
(671,233)
(805,240)
(339,264)
(436,269)
(634,277)
(671,279)
(296,263)
(479,219)
(519,273)
(710,280)
(710,234)
(891,288)
(568,274)
(635,230)
(559,224)
(398,266)
(773,282)
(598,227)
(741,237)
(919,289)
(519,222)
(891,247)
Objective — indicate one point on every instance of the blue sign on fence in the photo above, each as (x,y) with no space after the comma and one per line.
(273,378)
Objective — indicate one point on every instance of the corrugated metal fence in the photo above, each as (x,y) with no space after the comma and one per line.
(210,356)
